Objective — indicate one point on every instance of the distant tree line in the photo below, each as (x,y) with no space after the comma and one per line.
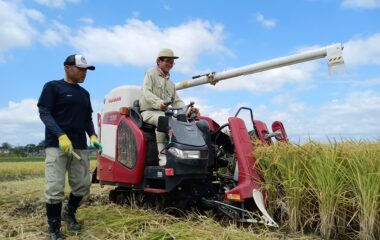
(29,150)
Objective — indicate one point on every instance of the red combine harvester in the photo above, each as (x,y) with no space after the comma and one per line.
(209,166)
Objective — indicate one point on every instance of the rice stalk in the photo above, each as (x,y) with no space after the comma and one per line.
(327,183)
(363,167)
(283,171)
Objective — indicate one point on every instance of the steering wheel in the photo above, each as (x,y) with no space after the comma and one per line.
(175,112)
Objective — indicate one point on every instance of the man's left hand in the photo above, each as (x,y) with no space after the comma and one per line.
(192,112)
(95,143)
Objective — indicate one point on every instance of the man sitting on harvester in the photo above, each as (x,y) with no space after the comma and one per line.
(157,91)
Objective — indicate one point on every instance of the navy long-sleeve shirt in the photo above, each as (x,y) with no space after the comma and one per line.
(66,109)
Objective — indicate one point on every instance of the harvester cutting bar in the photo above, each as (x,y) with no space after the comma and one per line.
(233,211)
(333,53)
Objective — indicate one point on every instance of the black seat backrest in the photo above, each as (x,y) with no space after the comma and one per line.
(136,105)
(141,124)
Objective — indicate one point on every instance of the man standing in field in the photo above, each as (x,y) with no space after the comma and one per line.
(65,109)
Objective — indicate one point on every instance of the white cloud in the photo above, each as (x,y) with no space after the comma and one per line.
(56,3)
(367,83)
(51,38)
(355,117)
(361,3)
(356,105)
(20,123)
(86,20)
(34,14)
(55,35)
(283,98)
(137,41)
(296,107)
(362,51)
(268,23)
(16,30)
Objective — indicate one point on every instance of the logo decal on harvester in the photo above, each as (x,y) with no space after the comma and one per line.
(117,99)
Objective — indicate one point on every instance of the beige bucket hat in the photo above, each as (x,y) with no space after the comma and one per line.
(166,52)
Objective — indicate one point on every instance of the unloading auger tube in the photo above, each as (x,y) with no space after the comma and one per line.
(333,53)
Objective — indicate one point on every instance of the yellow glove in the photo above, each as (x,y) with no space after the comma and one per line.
(65,144)
(95,143)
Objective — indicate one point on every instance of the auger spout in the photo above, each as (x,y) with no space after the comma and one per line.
(333,53)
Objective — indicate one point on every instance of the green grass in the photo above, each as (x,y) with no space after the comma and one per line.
(19,170)
(28,159)
(21,159)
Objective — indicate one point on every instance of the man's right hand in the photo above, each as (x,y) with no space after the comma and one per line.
(163,106)
(65,144)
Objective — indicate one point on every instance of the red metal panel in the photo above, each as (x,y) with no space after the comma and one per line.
(278,126)
(105,169)
(113,171)
(112,118)
(122,174)
(262,129)
(249,177)
(213,125)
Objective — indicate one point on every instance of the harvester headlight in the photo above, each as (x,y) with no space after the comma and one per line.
(185,154)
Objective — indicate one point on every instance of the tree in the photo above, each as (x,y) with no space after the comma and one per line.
(31,148)
(19,151)
(41,146)
(6,146)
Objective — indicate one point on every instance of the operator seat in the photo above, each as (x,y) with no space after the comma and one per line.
(150,136)
(146,127)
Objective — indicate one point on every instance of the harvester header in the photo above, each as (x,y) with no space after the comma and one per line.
(333,53)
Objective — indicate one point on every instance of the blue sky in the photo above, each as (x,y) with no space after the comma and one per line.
(122,38)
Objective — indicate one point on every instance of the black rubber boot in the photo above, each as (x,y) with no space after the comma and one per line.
(53,212)
(68,213)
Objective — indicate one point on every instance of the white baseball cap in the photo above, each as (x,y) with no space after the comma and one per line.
(78,61)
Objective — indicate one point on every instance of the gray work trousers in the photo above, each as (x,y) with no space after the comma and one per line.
(57,163)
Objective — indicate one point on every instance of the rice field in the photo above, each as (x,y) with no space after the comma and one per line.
(332,190)
(316,191)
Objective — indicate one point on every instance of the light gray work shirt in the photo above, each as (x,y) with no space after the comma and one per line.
(156,90)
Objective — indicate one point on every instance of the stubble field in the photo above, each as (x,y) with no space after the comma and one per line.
(315,191)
